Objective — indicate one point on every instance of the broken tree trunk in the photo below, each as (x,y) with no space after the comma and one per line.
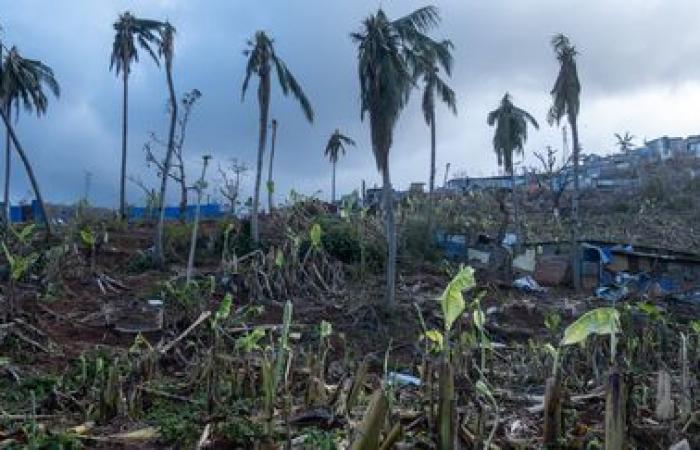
(446,408)
(616,412)
(552,413)
(664,402)
(373,422)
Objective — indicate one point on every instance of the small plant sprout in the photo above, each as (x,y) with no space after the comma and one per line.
(315,236)
(453,305)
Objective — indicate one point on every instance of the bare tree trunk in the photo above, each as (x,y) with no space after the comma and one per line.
(576,224)
(333,183)
(431,185)
(159,254)
(390,239)
(8,160)
(195,225)
(264,102)
(183,196)
(270,183)
(125,125)
(28,168)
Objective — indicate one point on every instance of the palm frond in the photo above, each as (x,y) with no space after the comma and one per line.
(290,84)
(422,19)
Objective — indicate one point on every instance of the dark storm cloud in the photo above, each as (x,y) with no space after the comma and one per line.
(636,64)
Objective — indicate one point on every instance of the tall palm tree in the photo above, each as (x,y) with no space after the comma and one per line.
(130,31)
(566,95)
(166,49)
(389,53)
(625,142)
(509,137)
(22,82)
(434,86)
(334,148)
(261,61)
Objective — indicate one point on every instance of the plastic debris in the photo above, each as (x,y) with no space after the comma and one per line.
(403,379)
(528,284)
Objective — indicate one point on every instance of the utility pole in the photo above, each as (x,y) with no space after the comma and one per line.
(88,182)
(447,172)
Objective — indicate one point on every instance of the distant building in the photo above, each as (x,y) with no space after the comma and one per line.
(480,183)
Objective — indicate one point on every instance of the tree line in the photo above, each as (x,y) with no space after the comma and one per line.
(394,57)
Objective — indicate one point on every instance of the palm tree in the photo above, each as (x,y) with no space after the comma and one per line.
(389,53)
(434,86)
(509,137)
(566,95)
(261,61)
(625,142)
(270,182)
(130,31)
(334,148)
(166,49)
(23,81)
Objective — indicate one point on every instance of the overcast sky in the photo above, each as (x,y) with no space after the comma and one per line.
(639,65)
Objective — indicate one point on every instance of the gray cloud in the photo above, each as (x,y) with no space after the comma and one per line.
(637,64)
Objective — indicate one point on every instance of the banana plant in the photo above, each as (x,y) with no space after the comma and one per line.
(89,239)
(211,366)
(19,266)
(600,321)
(453,305)
(273,371)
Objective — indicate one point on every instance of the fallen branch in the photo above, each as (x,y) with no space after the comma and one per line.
(202,317)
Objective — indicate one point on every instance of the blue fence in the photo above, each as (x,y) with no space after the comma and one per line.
(26,213)
(32,212)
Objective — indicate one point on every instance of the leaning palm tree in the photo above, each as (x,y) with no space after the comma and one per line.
(22,82)
(625,142)
(334,148)
(509,137)
(261,61)
(389,53)
(130,31)
(566,95)
(434,86)
(166,49)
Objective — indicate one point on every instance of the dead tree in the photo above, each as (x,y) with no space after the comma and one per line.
(231,183)
(177,166)
(151,196)
(556,177)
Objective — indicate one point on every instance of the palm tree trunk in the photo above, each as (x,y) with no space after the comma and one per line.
(264,102)
(6,197)
(514,199)
(159,254)
(390,239)
(125,107)
(270,185)
(575,228)
(431,185)
(333,184)
(28,168)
